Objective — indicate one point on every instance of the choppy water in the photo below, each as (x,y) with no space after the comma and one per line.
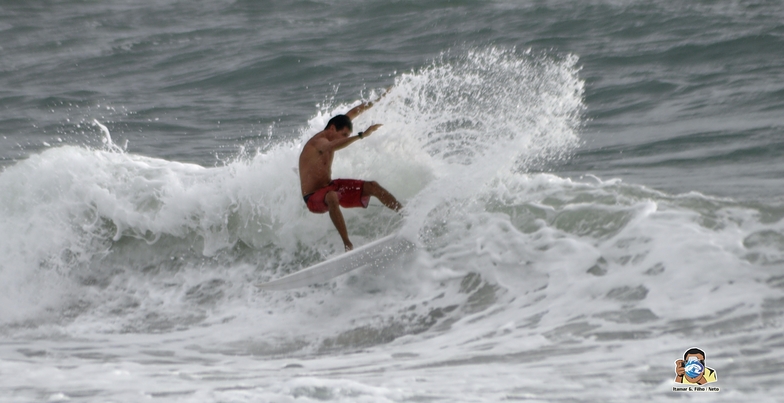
(594,188)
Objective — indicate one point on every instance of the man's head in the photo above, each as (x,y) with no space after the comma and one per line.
(695,352)
(693,363)
(340,122)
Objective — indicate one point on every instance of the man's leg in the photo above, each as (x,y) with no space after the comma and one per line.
(337,217)
(372,188)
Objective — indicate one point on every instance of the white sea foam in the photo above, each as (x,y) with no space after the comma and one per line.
(109,255)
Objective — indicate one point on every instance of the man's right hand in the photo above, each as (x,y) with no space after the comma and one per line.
(679,368)
(680,371)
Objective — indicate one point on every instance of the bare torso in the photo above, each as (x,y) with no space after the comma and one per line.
(315,165)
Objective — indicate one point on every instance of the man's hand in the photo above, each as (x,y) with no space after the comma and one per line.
(679,368)
(370,130)
(680,371)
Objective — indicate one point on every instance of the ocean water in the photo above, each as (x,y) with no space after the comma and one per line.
(593,188)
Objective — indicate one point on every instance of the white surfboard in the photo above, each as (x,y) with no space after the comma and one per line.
(375,253)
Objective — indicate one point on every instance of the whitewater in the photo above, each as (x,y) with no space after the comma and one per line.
(126,277)
(592,188)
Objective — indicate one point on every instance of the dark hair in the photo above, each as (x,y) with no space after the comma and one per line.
(340,121)
(695,351)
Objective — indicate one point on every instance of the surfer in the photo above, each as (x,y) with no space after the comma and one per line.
(321,193)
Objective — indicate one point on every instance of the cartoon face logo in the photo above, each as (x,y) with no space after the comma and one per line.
(692,370)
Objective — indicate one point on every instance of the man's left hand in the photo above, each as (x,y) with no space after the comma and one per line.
(370,130)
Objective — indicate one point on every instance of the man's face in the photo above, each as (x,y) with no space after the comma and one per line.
(345,132)
(691,369)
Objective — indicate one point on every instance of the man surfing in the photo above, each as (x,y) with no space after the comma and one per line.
(323,194)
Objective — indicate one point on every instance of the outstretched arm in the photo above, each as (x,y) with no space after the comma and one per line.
(355,111)
(369,130)
(342,143)
(359,109)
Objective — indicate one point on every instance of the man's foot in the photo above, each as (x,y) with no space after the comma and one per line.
(348,246)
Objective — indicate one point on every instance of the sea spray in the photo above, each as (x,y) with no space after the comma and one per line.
(126,243)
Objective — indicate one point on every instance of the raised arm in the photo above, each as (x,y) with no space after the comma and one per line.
(342,143)
(359,109)
(355,111)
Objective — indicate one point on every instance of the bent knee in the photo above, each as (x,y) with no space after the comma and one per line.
(331,197)
(370,186)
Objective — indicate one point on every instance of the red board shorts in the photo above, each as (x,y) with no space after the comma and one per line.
(349,195)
